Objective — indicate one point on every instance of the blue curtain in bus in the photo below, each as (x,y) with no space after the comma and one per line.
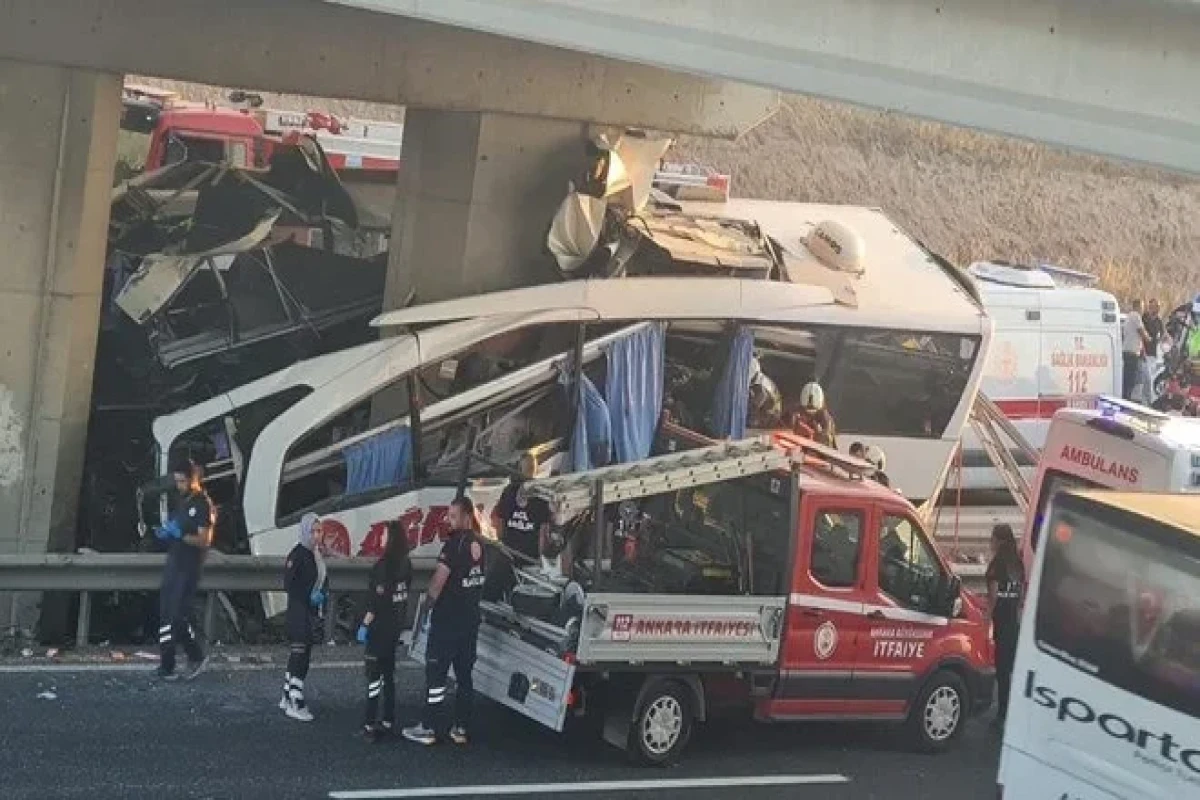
(379,461)
(731,401)
(634,391)
(591,440)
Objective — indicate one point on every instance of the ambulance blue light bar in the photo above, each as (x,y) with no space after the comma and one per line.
(1129,413)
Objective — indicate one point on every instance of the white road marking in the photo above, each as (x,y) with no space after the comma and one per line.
(493,790)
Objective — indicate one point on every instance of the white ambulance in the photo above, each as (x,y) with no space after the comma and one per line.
(1118,445)
(1057,344)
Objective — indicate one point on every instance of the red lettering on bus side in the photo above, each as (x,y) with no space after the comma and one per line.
(437,524)
(372,543)
(410,523)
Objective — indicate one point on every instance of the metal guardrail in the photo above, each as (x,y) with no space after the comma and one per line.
(88,573)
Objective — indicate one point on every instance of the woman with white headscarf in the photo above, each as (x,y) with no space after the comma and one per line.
(304,582)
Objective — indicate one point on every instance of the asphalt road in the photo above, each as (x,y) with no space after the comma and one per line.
(119,734)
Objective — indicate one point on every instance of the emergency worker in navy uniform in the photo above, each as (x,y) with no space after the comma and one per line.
(304,582)
(454,594)
(1005,578)
(188,535)
(523,525)
(387,609)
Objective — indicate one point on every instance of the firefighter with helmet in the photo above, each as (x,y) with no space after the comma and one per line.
(815,416)
(874,454)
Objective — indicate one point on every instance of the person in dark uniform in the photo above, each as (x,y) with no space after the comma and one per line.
(304,582)
(523,525)
(454,594)
(387,609)
(524,522)
(188,535)
(1005,583)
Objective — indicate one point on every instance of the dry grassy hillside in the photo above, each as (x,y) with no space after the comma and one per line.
(969,196)
(972,196)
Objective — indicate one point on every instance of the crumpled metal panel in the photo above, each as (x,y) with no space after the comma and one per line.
(162,275)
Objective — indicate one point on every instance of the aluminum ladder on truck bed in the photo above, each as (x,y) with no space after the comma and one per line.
(569,495)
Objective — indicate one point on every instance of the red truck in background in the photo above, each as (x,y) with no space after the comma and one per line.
(243,134)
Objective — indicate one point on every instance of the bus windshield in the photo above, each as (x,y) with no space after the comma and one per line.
(1122,606)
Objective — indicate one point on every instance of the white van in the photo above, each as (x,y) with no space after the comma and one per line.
(1055,346)
(1120,446)
(1105,699)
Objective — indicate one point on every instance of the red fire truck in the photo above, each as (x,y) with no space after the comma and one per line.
(243,134)
(771,574)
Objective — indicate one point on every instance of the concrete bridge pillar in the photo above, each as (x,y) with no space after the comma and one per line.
(58,138)
(477,192)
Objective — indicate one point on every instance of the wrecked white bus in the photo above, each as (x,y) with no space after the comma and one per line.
(381,431)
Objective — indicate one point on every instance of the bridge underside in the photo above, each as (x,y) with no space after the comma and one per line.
(1112,77)
(313,48)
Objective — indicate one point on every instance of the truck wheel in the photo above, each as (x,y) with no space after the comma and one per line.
(938,716)
(662,723)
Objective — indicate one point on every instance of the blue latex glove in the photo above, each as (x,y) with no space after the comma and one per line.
(362,634)
(316,598)
(169,531)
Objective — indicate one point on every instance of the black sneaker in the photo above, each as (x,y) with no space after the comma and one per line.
(458,735)
(163,675)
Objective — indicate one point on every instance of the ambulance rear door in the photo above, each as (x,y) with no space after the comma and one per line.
(1087,450)
(1080,347)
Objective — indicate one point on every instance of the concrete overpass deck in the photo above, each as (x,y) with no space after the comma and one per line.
(1113,77)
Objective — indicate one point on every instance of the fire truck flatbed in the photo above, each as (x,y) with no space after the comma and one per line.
(630,652)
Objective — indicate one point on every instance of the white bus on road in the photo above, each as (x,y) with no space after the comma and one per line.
(1105,701)
(840,295)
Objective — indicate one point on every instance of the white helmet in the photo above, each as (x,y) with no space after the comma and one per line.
(812,397)
(875,455)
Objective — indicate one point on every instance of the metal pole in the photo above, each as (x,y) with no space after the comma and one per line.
(414,425)
(330,617)
(84,623)
(464,474)
(576,386)
(210,607)
(601,529)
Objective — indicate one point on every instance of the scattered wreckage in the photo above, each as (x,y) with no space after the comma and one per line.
(216,276)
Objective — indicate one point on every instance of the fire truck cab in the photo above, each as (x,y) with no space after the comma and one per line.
(770,574)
